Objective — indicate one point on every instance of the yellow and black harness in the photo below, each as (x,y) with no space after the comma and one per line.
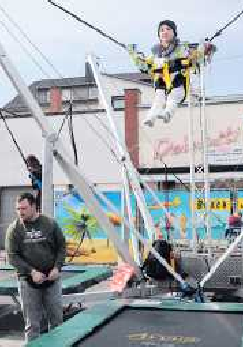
(162,74)
(180,66)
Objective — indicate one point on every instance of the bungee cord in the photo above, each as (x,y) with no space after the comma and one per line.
(122,45)
(220,31)
(91,26)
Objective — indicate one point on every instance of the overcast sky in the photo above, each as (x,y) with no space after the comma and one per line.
(66,42)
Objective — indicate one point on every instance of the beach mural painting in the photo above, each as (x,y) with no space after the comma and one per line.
(74,217)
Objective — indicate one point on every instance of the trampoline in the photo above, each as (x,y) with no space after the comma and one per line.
(150,323)
(74,278)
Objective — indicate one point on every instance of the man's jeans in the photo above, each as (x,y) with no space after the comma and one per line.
(39,303)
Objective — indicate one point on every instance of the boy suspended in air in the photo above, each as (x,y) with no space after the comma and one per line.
(168,67)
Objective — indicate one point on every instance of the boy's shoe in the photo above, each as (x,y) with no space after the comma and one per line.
(149,122)
(161,115)
(165,116)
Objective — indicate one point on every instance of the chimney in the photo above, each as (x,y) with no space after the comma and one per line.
(55,100)
(132,101)
(89,77)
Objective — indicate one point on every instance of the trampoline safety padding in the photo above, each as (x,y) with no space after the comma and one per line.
(150,323)
(74,278)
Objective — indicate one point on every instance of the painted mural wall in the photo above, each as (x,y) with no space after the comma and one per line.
(177,203)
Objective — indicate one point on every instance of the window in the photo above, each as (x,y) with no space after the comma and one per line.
(66,94)
(75,93)
(80,93)
(43,96)
(118,102)
(93,93)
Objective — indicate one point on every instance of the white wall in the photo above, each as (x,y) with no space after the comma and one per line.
(95,159)
(171,140)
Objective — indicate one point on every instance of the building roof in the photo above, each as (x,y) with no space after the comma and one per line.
(16,104)
(135,77)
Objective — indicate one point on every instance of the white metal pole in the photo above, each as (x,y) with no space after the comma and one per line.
(192,169)
(123,212)
(125,225)
(124,155)
(220,260)
(205,157)
(47,176)
(135,245)
(24,91)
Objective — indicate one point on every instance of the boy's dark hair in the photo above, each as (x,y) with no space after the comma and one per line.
(170,24)
(28,196)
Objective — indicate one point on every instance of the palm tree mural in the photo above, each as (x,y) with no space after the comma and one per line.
(78,224)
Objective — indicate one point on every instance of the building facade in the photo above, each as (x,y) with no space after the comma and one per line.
(130,97)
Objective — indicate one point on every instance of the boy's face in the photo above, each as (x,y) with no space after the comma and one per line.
(166,34)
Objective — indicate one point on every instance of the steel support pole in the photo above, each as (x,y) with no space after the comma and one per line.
(207,219)
(123,154)
(47,176)
(192,170)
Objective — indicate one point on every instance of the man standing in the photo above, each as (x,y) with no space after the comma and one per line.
(35,246)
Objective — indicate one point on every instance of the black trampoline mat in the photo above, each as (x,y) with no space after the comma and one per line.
(153,327)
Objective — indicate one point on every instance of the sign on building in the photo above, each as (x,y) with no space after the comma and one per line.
(169,143)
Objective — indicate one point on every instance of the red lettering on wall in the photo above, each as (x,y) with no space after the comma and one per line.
(168,147)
